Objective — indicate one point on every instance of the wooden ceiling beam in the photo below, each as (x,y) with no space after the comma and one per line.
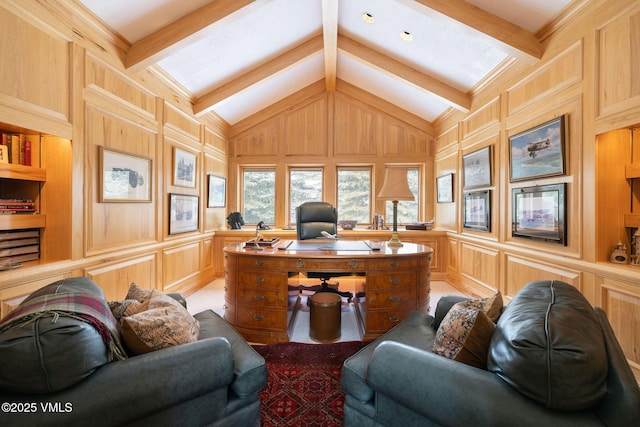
(515,40)
(330,34)
(375,59)
(182,32)
(282,62)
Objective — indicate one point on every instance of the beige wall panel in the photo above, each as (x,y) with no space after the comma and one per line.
(452,254)
(208,253)
(180,264)
(114,225)
(261,140)
(520,271)
(621,302)
(40,77)
(103,76)
(116,278)
(400,139)
(619,64)
(355,128)
(481,119)
(447,139)
(214,140)
(10,298)
(562,71)
(306,130)
(479,264)
(179,121)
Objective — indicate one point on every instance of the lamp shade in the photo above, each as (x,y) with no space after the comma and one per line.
(396,186)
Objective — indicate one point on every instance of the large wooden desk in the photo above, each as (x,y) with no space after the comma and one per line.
(256,285)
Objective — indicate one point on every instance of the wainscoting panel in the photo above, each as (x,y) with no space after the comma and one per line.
(116,278)
(520,271)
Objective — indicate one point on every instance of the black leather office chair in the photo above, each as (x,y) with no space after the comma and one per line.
(312,218)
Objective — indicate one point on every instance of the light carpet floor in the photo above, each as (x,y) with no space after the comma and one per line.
(212,297)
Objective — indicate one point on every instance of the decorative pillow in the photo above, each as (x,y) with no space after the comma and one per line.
(492,306)
(549,345)
(165,323)
(464,334)
(138,293)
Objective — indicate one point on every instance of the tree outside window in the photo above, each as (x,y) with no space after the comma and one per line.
(259,196)
(354,194)
(305,185)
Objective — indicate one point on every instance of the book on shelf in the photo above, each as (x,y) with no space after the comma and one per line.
(17,206)
(20,250)
(19,148)
(17,259)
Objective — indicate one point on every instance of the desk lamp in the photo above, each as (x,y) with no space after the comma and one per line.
(395,188)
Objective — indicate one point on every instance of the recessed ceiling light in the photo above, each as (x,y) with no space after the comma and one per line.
(406,36)
(368,18)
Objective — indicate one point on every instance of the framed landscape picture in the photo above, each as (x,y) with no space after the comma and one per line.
(539,213)
(477,210)
(538,152)
(183,213)
(124,177)
(477,168)
(184,168)
(444,186)
(217,192)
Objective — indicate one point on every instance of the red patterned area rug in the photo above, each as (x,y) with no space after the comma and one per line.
(304,383)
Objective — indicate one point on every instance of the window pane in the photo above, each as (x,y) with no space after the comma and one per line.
(305,185)
(407,210)
(259,194)
(354,194)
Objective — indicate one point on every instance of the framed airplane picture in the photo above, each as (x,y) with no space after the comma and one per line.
(538,152)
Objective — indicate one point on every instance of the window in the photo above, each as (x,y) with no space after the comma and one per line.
(305,185)
(408,211)
(258,196)
(354,194)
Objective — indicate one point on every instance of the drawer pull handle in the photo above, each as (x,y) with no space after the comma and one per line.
(353,265)
(300,264)
(259,279)
(394,263)
(258,317)
(258,297)
(259,262)
(394,299)
(225,289)
(394,319)
(394,281)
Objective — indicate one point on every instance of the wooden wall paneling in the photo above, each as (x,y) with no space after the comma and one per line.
(107,231)
(208,253)
(356,126)
(305,130)
(446,213)
(261,140)
(520,270)
(214,164)
(452,256)
(181,123)
(214,139)
(181,267)
(115,278)
(480,267)
(447,139)
(481,119)
(399,139)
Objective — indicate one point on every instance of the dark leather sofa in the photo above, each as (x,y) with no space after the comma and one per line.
(542,370)
(214,381)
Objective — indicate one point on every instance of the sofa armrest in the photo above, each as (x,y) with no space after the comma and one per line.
(122,392)
(450,393)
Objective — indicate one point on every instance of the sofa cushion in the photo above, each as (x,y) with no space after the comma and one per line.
(549,345)
(56,337)
(164,323)
(464,334)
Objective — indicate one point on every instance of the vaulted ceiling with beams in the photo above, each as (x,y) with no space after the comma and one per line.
(237,57)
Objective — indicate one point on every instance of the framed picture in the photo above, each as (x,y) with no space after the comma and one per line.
(183,215)
(477,210)
(477,168)
(124,177)
(184,168)
(217,192)
(539,213)
(538,152)
(444,186)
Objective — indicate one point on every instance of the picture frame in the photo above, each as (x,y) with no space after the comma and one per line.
(124,177)
(183,213)
(477,168)
(539,213)
(217,194)
(538,152)
(477,210)
(444,187)
(184,168)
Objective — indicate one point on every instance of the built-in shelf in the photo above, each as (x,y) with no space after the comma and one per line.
(20,221)
(632,170)
(632,220)
(25,173)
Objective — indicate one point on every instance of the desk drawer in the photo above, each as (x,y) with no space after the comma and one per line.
(273,281)
(391,281)
(263,297)
(335,264)
(382,320)
(393,264)
(403,301)
(258,263)
(252,317)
